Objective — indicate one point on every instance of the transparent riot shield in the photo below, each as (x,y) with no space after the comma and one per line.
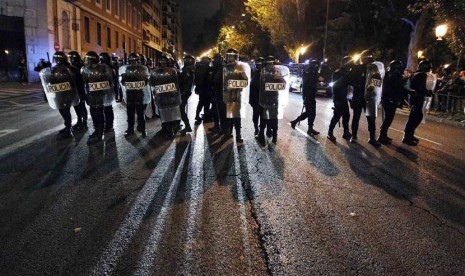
(431,81)
(98,85)
(165,89)
(59,86)
(274,91)
(373,88)
(134,81)
(236,87)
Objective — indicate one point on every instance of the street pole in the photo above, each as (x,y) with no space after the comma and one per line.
(326,31)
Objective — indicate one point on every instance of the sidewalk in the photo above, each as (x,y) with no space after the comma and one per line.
(16,86)
(439,117)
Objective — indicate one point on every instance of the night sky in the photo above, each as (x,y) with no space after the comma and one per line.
(193,13)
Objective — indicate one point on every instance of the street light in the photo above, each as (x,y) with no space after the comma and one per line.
(300,51)
(356,57)
(7,52)
(420,54)
(441,31)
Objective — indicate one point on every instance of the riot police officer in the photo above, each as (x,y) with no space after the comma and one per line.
(203,88)
(219,117)
(236,76)
(254,94)
(165,88)
(108,109)
(60,89)
(98,84)
(134,80)
(309,89)
(393,91)
(81,110)
(273,97)
(357,80)
(372,96)
(417,96)
(186,83)
(341,106)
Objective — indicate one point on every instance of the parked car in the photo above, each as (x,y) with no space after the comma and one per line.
(296,70)
(325,86)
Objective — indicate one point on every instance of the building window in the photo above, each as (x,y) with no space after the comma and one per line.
(123,10)
(129,14)
(117,39)
(108,37)
(99,34)
(129,45)
(139,20)
(116,4)
(65,30)
(124,41)
(87,29)
(108,5)
(98,3)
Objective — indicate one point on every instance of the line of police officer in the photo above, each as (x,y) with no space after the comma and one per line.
(225,87)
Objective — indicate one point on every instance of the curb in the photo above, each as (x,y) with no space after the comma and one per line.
(435,119)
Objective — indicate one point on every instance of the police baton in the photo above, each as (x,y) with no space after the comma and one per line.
(48,57)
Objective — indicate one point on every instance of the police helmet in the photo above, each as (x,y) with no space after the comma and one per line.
(60,58)
(425,66)
(91,58)
(143,59)
(232,55)
(396,66)
(217,60)
(259,62)
(105,58)
(189,60)
(133,57)
(74,57)
(367,59)
(163,61)
(270,60)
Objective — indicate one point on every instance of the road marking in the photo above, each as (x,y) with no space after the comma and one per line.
(123,236)
(427,140)
(196,179)
(241,203)
(147,259)
(5,132)
(306,135)
(22,143)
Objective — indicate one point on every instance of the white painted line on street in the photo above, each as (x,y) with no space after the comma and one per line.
(123,236)
(147,259)
(306,135)
(196,179)
(22,143)
(5,132)
(241,203)
(427,140)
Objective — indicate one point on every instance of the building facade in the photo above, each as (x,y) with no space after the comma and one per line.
(38,27)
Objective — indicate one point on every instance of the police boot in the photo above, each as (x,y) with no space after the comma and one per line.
(275,137)
(294,123)
(269,133)
(188,128)
(95,137)
(383,139)
(78,126)
(409,140)
(372,141)
(261,137)
(331,136)
(129,131)
(66,134)
(312,132)
(141,130)
(346,135)
(256,130)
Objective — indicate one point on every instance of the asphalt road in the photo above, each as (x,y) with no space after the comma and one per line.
(200,205)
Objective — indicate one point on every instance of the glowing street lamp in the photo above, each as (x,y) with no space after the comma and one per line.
(420,54)
(7,52)
(356,57)
(441,31)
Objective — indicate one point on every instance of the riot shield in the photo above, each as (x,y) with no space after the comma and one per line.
(59,86)
(98,84)
(373,88)
(236,86)
(431,81)
(134,81)
(274,91)
(165,89)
